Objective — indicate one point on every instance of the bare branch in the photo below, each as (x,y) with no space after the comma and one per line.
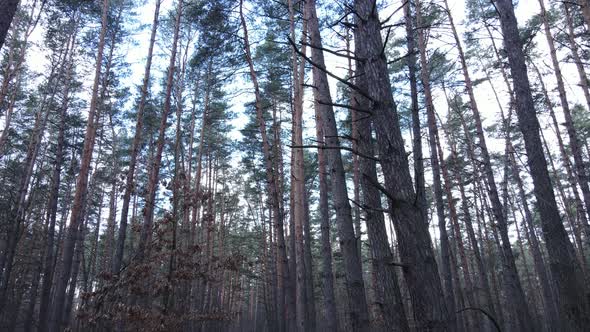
(333,148)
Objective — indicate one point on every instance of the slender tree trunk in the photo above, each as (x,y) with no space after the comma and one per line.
(309,285)
(576,54)
(359,313)
(81,183)
(416,124)
(33,291)
(298,183)
(282,264)
(565,270)
(434,162)
(512,283)
(129,181)
(575,144)
(154,173)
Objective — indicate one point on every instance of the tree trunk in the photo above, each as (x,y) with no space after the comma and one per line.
(576,54)
(129,182)
(309,286)
(512,283)
(359,313)
(298,182)
(81,182)
(6,15)
(565,270)
(416,125)
(330,314)
(387,292)
(154,173)
(282,264)
(434,163)
(415,247)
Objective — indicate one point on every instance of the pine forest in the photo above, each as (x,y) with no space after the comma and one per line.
(294,165)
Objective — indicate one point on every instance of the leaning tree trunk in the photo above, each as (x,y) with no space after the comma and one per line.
(576,54)
(154,173)
(81,182)
(129,184)
(415,247)
(416,125)
(282,264)
(359,313)
(512,283)
(575,144)
(565,270)
(387,291)
(435,165)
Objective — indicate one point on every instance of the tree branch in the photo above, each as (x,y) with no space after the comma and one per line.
(333,148)
(352,86)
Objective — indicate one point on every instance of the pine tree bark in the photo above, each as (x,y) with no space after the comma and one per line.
(565,270)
